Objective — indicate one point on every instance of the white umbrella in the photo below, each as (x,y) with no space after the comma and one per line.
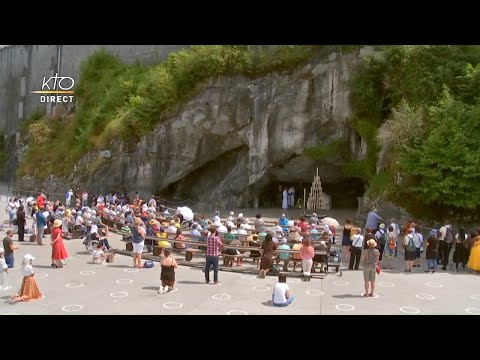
(186,212)
(330,221)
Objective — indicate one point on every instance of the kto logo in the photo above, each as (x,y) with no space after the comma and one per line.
(56,85)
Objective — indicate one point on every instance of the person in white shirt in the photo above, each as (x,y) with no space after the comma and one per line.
(222,229)
(99,256)
(357,246)
(100,199)
(277,229)
(381,238)
(3,271)
(418,245)
(152,203)
(171,230)
(446,239)
(281,292)
(216,218)
(231,217)
(242,230)
(84,199)
(68,197)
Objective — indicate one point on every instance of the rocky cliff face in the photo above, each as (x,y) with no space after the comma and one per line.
(236,139)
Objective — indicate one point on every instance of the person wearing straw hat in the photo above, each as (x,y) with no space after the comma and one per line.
(370,261)
(59,253)
(29,290)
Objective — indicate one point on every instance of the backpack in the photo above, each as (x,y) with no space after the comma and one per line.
(391,243)
(384,237)
(449,235)
(411,244)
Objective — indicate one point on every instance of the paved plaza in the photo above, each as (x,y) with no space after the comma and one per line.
(85,288)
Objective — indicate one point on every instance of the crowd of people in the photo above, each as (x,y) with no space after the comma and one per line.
(308,237)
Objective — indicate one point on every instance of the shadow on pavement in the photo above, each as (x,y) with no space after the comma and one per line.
(44,266)
(191,282)
(268,303)
(347,296)
(155,288)
(83,253)
(120,266)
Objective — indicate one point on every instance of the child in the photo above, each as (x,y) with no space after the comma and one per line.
(390,247)
(99,256)
(3,271)
(281,293)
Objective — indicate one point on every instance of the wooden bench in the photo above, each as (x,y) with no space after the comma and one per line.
(228,259)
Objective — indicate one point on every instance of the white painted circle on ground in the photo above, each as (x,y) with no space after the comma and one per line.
(172,305)
(72,308)
(375,296)
(87,272)
(425,297)
(41,275)
(261,288)
(8,287)
(130,270)
(10,314)
(409,310)
(314,292)
(75,285)
(237,312)
(124,281)
(341,283)
(221,297)
(475,297)
(120,294)
(345,307)
(473,311)
(434,285)
(386,284)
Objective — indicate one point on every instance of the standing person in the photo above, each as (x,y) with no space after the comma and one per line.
(68,198)
(418,244)
(370,262)
(138,241)
(368,236)
(446,235)
(41,224)
(21,222)
(474,260)
(285,199)
(381,238)
(307,252)
(396,230)
(469,244)
(59,253)
(291,196)
(410,249)
(281,292)
(12,211)
(9,249)
(390,248)
(84,199)
(167,276)
(41,200)
(29,290)
(357,245)
(459,255)
(268,255)
(214,244)
(373,219)
(346,240)
(432,251)
(3,271)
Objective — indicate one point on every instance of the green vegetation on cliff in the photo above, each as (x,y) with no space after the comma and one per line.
(429,98)
(120,101)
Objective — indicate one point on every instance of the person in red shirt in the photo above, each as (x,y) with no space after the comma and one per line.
(41,200)
(303,225)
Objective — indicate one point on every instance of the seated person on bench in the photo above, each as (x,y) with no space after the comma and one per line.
(79,224)
(233,252)
(285,257)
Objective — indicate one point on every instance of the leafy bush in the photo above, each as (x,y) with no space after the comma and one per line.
(120,101)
